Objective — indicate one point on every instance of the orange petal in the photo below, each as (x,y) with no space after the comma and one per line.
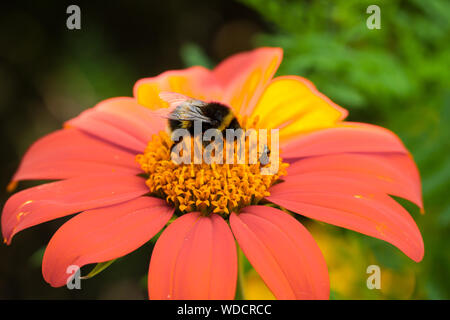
(294,105)
(57,199)
(344,137)
(71,153)
(244,77)
(394,174)
(195,258)
(101,235)
(283,252)
(120,121)
(350,204)
(196,82)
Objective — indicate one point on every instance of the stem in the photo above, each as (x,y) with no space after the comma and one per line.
(240,292)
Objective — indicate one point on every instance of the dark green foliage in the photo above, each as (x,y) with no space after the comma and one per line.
(397,76)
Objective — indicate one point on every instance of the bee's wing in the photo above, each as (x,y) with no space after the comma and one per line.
(182,108)
(174,99)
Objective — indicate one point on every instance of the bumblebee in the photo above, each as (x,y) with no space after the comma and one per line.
(183,111)
(186,110)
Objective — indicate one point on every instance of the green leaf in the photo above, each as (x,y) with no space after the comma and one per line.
(193,55)
(37,256)
(98,268)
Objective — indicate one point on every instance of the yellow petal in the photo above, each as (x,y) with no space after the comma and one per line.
(244,77)
(294,105)
(195,82)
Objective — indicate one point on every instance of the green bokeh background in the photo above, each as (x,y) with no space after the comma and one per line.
(396,76)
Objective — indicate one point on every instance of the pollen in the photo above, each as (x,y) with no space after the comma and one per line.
(207,188)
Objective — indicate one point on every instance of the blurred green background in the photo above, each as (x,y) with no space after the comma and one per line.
(397,76)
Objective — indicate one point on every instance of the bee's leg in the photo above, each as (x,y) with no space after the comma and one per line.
(264,158)
(213,140)
(206,143)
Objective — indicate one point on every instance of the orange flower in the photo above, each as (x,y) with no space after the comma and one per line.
(114,167)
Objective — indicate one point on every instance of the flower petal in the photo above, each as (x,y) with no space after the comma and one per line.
(294,105)
(194,258)
(244,77)
(351,204)
(196,82)
(120,121)
(57,199)
(103,234)
(394,174)
(346,137)
(283,252)
(70,153)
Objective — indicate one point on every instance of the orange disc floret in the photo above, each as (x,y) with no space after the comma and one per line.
(208,188)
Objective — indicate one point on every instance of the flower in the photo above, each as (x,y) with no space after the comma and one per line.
(112,165)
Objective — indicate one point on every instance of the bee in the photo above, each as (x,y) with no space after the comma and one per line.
(183,111)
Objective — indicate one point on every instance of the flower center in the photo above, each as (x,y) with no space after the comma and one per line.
(208,188)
